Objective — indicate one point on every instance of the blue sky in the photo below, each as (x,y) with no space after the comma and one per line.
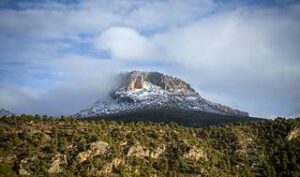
(59,56)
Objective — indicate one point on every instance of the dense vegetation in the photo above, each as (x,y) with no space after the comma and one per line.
(178,115)
(39,146)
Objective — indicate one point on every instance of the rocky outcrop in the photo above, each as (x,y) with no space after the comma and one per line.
(22,170)
(7,158)
(108,168)
(157,152)
(245,142)
(139,79)
(136,83)
(139,151)
(294,133)
(96,148)
(55,166)
(196,154)
(83,156)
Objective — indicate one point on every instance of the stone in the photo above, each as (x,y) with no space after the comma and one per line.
(23,172)
(136,83)
(108,168)
(141,152)
(55,164)
(54,167)
(138,151)
(96,148)
(195,154)
(293,134)
(138,79)
(245,143)
(83,156)
(158,152)
(7,158)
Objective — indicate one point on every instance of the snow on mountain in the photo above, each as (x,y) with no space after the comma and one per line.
(4,112)
(152,90)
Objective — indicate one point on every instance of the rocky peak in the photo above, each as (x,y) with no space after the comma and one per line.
(4,112)
(136,80)
(140,79)
(139,91)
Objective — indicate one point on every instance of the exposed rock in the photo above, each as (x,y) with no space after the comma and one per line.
(70,146)
(55,164)
(140,151)
(54,167)
(138,79)
(108,168)
(46,137)
(22,170)
(123,143)
(136,172)
(158,152)
(245,143)
(245,146)
(83,156)
(7,158)
(196,154)
(293,134)
(136,83)
(96,148)
(153,175)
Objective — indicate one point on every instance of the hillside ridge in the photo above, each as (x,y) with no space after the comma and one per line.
(41,146)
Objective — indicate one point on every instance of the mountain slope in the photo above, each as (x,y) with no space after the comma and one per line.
(142,91)
(36,146)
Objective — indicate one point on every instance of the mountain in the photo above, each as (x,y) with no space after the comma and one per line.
(155,93)
(4,112)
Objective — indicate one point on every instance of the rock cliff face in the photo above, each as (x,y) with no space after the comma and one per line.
(139,80)
(196,154)
(140,91)
(142,152)
(294,133)
(55,166)
(96,148)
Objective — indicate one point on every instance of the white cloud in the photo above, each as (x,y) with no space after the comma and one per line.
(54,20)
(246,54)
(79,81)
(125,43)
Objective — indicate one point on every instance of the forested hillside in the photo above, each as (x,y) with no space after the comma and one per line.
(40,146)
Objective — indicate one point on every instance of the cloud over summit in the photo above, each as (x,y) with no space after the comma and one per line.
(241,54)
